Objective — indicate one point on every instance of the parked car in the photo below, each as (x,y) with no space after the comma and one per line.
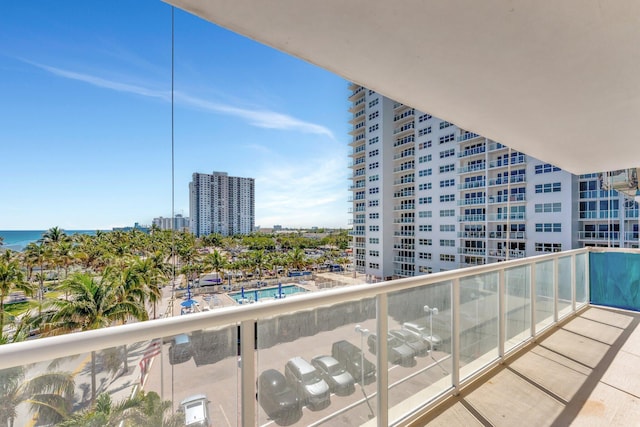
(351,357)
(340,381)
(398,352)
(277,398)
(420,347)
(421,331)
(180,349)
(196,411)
(306,381)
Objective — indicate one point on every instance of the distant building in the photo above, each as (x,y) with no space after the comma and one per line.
(179,223)
(222,204)
(277,228)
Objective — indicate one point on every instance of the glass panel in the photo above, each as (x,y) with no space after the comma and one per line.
(564,286)
(310,365)
(581,279)
(614,278)
(419,350)
(186,371)
(544,294)
(518,305)
(478,322)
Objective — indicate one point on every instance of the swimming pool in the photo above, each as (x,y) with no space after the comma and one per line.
(263,293)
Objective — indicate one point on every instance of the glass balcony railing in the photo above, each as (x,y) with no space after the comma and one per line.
(441,331)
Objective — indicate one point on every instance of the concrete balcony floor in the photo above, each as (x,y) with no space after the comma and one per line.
(586,372)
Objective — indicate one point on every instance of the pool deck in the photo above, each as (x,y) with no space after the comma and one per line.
(585,373)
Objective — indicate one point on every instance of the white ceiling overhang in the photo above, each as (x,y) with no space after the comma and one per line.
(559,80)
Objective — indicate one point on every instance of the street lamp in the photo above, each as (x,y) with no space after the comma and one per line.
(432,312)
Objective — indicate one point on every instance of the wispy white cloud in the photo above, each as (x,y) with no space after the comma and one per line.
(262,118)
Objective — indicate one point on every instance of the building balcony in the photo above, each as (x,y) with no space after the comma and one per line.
(399,131)
(472,201)
(404,168)
(515,179)
(601,236)
(357,94)
(472,184)
(472,251)
(404,259)
(472,168)
(472,218)
(501,253)
(514,216)
(404,155)
(532,316)
(471,152)
(404,220)
(512,235)
(472,234)
(404,116)
(468,136)
(404,233)
(499,163)
(508,199)
(357,106)
(496,146)
(404,181)
(404,247)
(404,207)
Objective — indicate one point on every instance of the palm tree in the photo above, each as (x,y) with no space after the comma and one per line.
(216,262)
(11,279)
(93,305)
(50,395)
(297,259)
(150,275)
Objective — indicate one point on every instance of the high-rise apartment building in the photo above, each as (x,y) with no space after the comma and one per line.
(429,196)
(179,223)
(222,204)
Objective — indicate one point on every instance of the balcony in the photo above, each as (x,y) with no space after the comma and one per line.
(514,216)
(472,218)
(471,152)
(404,259)
(472,234)
(472,201)
(489,317)
(468,136)
(404,207)
(499,163)
(471,184)
(602,236)
(515,179)
(512,235)
(506,199)
(472,251)
(472,168)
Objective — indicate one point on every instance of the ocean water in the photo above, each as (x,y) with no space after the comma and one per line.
(16,240)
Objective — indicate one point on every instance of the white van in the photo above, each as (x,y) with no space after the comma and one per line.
(196,411)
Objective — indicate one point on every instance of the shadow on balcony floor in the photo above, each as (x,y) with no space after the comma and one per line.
(586,373)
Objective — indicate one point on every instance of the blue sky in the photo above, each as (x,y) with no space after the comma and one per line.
(85,118)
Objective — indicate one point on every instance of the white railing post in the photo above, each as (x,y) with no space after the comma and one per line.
(248,373)
(587,276)
(455,335)
(502,309)
(556,285)
(573,283)
(532,287)
(382,326)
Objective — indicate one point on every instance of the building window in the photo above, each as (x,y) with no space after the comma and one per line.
(546,168)
(425,227)
(551,207)
(447,168)
(448,198)
(424,172)
(374,228)
(374,128)
(424,118)
(374,265)
(374,253)
(424,159)
(424,214)
(374,240)
(424,269)
(424,131)
(374,190)
(549,227)
(373,165)
(447,153)
(374,215)
(374,178)
(423,145)
(425,242)
(447,242)
(374,115)
(447,212)
(374,140)
(447,258)
(548,247)
(424,200)
(447,227)
(374,152)
(447,183)
(424,186)
(424,255)
(374,102)
(447,138)
(549,188)
(445,125)
(373,203)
